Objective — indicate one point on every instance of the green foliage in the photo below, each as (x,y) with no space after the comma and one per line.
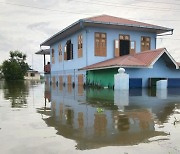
(15,68)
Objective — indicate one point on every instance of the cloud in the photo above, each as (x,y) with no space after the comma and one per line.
(25,28)
(42,3)
(44,27)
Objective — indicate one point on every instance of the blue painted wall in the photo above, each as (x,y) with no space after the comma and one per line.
(71,67)
(113,34)
(159,70)
(76,62)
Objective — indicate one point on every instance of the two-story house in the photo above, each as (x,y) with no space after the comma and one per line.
(91,50)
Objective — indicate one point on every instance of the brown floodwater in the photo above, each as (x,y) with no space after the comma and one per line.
(40,118)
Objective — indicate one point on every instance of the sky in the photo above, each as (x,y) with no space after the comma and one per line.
(25,24)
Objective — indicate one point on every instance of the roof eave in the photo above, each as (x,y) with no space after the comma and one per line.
(49,41)
(114,66)
(43,52)
(158,29)
(53,38)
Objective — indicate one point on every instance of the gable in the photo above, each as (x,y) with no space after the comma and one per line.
(166,60)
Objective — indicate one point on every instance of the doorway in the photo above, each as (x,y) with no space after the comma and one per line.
(124,47)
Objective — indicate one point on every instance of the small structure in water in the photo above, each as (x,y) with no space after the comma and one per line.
(32,75)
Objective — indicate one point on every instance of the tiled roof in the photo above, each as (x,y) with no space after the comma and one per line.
(142,59)
(122,21)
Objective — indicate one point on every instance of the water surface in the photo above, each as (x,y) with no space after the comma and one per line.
(39,118)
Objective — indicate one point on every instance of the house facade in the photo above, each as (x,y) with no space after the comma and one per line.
(77,50)
(32,75)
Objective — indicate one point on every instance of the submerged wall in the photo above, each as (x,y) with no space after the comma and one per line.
(160,70)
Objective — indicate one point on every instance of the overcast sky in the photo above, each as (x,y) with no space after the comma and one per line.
(25,24)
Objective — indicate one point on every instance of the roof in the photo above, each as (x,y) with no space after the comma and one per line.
(43,52)
(144,59)
(31,70)
(105,21)
(123,21)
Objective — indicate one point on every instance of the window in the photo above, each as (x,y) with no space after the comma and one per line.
(80,46)
(145,43)
(53,61)
(65,53)
(100,44)
(133,47)
(60,52)
(32,74)
(124,44)
(68,51)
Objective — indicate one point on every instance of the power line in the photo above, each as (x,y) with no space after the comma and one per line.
(147,1)
(22,5)
(62,11)
(126,6)
(101,3)
(168,38)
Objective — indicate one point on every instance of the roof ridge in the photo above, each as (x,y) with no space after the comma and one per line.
(94,16)
(147,51)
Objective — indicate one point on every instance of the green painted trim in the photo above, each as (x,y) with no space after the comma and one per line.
(104,77)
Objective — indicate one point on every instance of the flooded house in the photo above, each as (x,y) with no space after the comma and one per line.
(91,50)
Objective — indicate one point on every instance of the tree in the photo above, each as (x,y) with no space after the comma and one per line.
(15,67)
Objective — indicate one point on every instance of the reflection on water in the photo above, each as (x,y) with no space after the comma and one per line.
(16,92)
(101,117)
(93,118)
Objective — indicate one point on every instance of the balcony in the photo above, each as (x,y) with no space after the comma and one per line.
(47,69)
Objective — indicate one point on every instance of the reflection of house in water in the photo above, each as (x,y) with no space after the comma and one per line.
(47,93)
(74,114)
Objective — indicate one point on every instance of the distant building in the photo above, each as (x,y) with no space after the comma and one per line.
(32,75)
(91,50)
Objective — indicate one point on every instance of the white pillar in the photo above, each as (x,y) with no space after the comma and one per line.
(161,93)
(121,98)
(161,84)
(121,80)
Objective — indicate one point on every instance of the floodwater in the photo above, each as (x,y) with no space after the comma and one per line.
(39,118)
